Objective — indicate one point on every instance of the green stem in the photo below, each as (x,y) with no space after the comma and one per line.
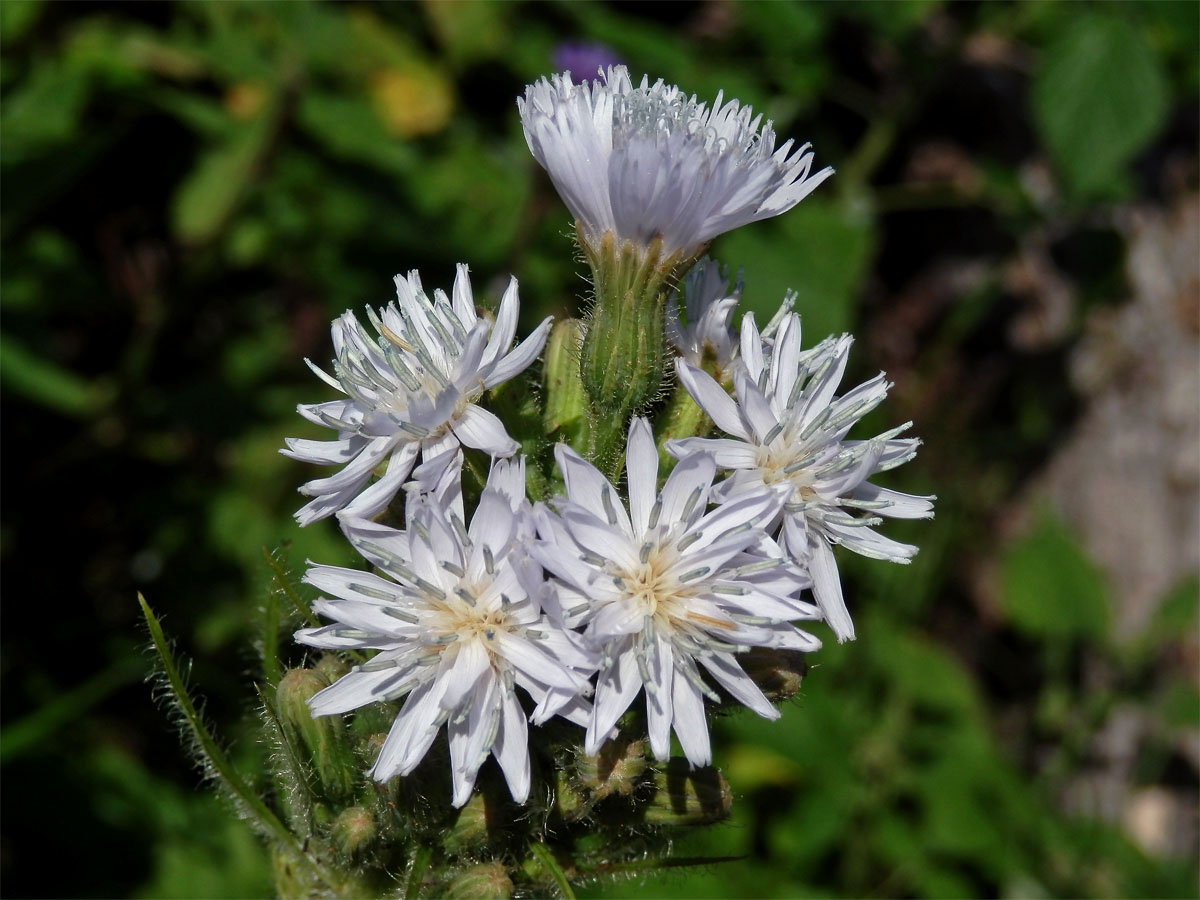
(550,864)
(269,647)
(416,872)
(230,779)
(281,582)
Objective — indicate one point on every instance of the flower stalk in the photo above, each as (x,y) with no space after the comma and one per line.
(624,353)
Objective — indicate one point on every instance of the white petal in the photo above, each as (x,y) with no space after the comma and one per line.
(521,357)
(505,326)
(726,453)
(375,499)
(752,354)
(462,300)
(868,542)
(370,537)
(508,477)
(641,468)
(731,677)
(410,735)
(491,527)
(692,477)
(587,487)
(322,453)
(660,708)
(512,748)
(461,677)
(599,537)
(900,506)
(711,398)
(616,687)
(689,722)
(755,407)
(536,663)
(355,475)
(827,588)
(348,692)
(480,429)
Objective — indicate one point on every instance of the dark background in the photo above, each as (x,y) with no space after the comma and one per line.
(191,191)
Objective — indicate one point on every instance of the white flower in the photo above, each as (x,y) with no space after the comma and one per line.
(666,588)
(411,390)
(705,336)
(788,429)
(649,160)
(456,617)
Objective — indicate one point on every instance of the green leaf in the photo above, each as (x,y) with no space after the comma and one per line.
(1051,588)
(820,250)
(1099,97)
(212,191)
(40,726)
(349,128)
(48,384)
(43,111)
(469,31)
(16,18)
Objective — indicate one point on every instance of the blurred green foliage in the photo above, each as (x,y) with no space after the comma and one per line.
(192,191)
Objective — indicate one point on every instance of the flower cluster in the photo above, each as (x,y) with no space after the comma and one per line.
(575,604)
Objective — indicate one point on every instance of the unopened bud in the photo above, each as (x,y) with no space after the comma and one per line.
(470,829)
(778,673)
(571,799)
(324,738)
(354,830)
(487,881)
(697,797)
(565,401)
(331,666)
(616,770)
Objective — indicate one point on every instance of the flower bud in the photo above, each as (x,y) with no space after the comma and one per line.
(324,738)
(353,830)
(696,797)
(470,828)
(778,673)
(331,666)
(565,401)
(570,801)
(616,770)
(487,881)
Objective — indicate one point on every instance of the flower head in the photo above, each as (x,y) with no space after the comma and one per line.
(667,589)
(787,428)
(649,161)
(410,391)
(705,338)
(457,618)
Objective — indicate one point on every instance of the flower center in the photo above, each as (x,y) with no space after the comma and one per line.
(464,618)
